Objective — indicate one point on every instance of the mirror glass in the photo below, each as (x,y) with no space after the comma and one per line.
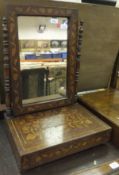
(43,57)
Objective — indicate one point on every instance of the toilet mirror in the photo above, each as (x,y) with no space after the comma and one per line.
(42,51)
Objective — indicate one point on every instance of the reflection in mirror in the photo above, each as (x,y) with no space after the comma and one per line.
(43,57)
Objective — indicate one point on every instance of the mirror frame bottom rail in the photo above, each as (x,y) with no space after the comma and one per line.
(15,93)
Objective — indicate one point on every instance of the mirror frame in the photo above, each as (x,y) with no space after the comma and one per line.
(15,77)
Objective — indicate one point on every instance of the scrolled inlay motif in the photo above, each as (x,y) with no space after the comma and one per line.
(16,90)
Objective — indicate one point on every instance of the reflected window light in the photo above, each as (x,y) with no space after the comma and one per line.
(53,135)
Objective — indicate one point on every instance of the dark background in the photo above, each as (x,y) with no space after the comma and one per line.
(104,2)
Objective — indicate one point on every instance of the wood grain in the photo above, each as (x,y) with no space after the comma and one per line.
(16,88)
(106,105)
(43,137)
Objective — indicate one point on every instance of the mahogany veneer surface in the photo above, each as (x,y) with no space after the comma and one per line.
(45,136)
(106,104)
(104,169)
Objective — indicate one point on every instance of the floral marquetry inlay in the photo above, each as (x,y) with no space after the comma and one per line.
(16,90)
(49,128)
(46,136)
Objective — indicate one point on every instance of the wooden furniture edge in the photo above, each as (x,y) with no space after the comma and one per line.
(115,128)
(26,162)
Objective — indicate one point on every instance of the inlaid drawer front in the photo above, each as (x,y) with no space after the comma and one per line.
(46,136)
(45,156)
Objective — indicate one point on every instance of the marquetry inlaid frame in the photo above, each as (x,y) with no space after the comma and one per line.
(14,60)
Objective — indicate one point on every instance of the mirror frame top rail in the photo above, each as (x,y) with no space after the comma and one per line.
(15,93)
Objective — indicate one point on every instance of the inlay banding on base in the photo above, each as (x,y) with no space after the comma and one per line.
(46,136)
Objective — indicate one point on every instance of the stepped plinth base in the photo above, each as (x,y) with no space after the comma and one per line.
(46,136)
